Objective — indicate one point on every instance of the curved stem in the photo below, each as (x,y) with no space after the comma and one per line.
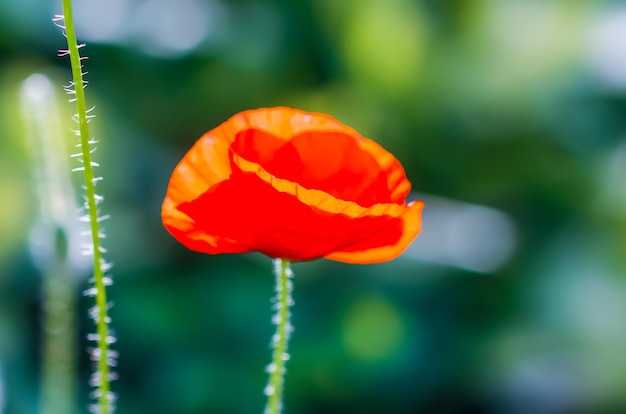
(101,380)
(276,369)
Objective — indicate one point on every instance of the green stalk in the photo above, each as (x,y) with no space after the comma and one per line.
(101,354)
(55,230)
(58,371)
(276,369)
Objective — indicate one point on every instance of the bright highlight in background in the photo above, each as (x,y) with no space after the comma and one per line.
(373,329)
(463,235)
(607,48)
(159,27)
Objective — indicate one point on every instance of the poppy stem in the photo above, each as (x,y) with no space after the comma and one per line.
(101,355)
(283,301)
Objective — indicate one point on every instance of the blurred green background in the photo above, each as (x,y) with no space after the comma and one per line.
(510,119)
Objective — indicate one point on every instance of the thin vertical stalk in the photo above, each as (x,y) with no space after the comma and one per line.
(51,237)
(58,371)
(284,287)
(101,355)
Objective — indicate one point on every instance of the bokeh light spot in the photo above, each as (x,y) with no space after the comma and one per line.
(100,21)
(463,235)
(384,45)
(607,48)
(171,28)
(373,329)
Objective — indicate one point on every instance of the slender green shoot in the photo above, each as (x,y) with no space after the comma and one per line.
(51,237)
(276,370)
(102,356)
(58,382)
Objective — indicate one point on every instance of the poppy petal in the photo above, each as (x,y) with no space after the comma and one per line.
(370,250)
(283,122)
(348,167)
(357,234)
(294,185)
(185,230)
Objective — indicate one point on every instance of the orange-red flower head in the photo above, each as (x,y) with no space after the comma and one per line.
(292,185)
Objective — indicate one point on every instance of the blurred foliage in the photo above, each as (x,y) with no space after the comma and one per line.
(507,104)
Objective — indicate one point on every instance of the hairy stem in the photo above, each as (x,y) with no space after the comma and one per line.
(276,369)
(102,375)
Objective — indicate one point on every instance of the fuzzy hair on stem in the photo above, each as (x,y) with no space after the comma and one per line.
(103,357)
(281,318)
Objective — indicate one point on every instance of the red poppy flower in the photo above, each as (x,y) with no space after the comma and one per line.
(292,185)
